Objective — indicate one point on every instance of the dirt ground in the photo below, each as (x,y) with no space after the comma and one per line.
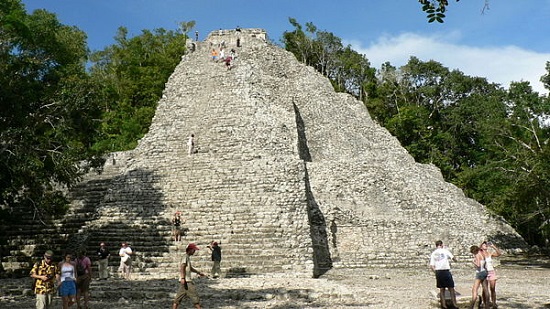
(521,284)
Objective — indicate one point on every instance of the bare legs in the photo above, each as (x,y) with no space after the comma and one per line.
(442,297)
(485,293)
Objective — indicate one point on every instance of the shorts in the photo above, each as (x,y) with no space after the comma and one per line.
(491,275)
(83,282)
(67,288)
(444,279)
(481,275)
(191,292)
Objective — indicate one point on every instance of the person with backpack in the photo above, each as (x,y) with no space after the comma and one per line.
(84,273)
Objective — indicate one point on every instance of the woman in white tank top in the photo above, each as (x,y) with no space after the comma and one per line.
(67,281)
(489,251)
(481,277)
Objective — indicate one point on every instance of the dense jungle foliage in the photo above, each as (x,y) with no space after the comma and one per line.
(63,107)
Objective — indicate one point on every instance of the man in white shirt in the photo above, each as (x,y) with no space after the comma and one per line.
(187,287)
(439,263)
(125,267)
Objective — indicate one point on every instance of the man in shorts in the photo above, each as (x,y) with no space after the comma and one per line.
(439,263)
(187,287)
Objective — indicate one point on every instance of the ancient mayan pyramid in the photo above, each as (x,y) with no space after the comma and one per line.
(289,176)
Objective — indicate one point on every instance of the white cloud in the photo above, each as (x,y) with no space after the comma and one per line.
(500,65)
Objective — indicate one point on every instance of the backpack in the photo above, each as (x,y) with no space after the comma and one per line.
(80,269)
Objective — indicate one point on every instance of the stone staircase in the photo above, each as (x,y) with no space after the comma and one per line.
(229,191)
(289,177)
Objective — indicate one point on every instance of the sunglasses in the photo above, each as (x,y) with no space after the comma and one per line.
(47,257)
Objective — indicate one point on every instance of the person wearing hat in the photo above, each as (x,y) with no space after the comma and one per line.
(216,258)
(187,287)
(45,273)
(103,255)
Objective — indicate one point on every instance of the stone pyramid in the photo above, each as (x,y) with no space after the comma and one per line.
(289,176)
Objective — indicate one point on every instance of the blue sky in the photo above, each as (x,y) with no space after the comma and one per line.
(510,41)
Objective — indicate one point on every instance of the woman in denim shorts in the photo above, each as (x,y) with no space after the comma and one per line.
(67,287)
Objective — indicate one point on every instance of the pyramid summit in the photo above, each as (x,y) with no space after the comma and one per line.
(288,176)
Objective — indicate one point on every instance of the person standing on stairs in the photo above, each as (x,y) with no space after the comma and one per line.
(214,55)
(176,226)
(103,255)
(187,288)
(216,259)
(227,62)
(45,273)
(125,253)
(191,144)
(84,272)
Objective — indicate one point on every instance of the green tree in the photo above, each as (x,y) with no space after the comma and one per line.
(133,73)
(348,70)
(545,79)
(521,152)
(435,9)
(48,117)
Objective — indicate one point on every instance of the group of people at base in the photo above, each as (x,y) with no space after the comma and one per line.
(187,288)
(72,277)
(485,274)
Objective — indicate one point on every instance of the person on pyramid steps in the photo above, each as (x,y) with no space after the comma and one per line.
(125,267)
(176,226)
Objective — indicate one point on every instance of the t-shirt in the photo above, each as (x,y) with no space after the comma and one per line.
(187,261)
(84,263)
(103,253)
(216,253)
(125,253)
(440,259)
(42,268)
